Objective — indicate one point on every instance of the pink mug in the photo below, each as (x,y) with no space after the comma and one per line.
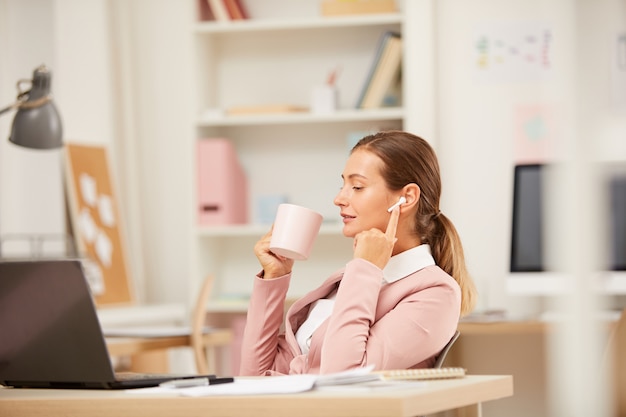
(295,230)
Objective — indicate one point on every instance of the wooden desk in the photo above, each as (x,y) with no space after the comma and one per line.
(503,327)
(434,397)
(149,354)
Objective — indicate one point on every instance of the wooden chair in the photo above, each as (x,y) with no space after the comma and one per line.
(617,361)
(144,350)
(204,340)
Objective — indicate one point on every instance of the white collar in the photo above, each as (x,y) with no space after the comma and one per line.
(408,262)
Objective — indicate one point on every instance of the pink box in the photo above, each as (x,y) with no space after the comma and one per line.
(222,184)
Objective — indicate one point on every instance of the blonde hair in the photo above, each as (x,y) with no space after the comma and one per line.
(407,159)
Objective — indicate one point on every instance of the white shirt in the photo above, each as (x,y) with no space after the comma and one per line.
(399,266)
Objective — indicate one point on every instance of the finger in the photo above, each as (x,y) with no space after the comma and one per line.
(392,226)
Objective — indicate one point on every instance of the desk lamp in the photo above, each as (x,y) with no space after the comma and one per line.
(37,123)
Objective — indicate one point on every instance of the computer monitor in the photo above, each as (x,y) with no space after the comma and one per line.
(527,225)
(528,272)
(617,213)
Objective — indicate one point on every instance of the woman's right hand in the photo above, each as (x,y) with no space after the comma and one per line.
(274,266)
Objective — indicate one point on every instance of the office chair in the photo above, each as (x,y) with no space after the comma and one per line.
(444,352)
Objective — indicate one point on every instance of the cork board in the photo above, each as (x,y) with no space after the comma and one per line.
(95,222)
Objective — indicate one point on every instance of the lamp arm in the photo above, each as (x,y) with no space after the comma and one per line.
(11,107)
(27,104)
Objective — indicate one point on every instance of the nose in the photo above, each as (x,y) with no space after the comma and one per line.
(340,200)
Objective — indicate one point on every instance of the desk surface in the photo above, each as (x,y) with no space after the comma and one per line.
(433,397)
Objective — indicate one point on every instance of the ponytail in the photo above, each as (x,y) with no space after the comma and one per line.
(448,252)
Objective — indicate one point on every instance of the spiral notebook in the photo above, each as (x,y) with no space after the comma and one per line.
(422,374)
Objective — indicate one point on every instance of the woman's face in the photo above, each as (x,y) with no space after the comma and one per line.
(364,197)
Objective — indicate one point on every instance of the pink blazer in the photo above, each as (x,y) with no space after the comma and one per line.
(400,325)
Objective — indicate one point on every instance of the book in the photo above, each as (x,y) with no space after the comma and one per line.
(380,48)
(236,9)
(219,10)
(204,11)
(381,86)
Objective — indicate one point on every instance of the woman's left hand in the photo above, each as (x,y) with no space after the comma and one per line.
(375,246)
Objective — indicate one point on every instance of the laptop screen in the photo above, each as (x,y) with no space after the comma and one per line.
(48,322)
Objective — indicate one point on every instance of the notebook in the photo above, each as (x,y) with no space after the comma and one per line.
(50,336)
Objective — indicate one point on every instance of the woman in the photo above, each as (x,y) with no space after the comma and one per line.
(397,302)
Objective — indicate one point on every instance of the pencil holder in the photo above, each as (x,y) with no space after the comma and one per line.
(324,99)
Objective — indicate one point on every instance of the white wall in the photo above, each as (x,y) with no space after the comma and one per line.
(30,180)
(477,132)
(159,72)
(123,76)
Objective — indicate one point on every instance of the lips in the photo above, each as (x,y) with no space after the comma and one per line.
(347,218)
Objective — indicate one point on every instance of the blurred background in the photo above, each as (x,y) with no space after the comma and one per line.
(124,75)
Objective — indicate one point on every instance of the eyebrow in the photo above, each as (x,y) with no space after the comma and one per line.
(355,175)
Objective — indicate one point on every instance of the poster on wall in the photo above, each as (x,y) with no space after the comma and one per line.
(535,134)
(513,52)
(617,52)
(95,223)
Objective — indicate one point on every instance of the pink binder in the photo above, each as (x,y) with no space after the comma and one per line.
(222,184)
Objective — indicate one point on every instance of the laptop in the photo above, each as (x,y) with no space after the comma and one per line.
(50,336)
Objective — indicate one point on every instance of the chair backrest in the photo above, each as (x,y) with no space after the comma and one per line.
(444,352)
(198,323)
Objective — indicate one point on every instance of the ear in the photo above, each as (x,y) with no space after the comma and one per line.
(412,194)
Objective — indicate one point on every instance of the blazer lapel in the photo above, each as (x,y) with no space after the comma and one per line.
(298,312)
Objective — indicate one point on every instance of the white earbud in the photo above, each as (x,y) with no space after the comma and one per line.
(402,200)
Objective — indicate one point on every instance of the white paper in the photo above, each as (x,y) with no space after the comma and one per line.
(88,228)
(284,384)
(378,385)
(104,249)
(355,379)
(353,376)
(513,51)
(88,189)
(94,276)
(255,386)
(105,211)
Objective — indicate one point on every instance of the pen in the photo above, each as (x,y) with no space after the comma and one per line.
(332,77)
(195,382)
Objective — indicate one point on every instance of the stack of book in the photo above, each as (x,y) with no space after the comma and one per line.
(382,86)
(222,10)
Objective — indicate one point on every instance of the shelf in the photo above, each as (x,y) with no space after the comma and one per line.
(217,118)
(296,41)
(246,230)
(258,25)
(227,306)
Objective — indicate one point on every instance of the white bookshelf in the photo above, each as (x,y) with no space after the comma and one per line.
(277,57)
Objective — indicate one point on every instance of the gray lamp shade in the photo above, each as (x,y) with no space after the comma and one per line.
(37,123)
